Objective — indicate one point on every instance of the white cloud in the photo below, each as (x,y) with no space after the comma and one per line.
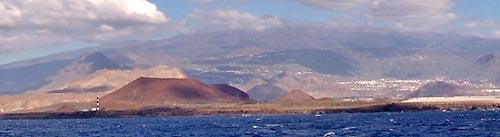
(335,4)
(486,24)
(12,43)
(496,34)
(232,19)
(421,15)
(484,28)
(409,9)
(29,23)
(441,22)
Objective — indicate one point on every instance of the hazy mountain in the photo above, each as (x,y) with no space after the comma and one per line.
(294,96)
(324,53)
(99,61)
(107,80)
(20,79)
(439,89)
(484,67)
(348,53)
(321,61)
(48,75)
(265,92)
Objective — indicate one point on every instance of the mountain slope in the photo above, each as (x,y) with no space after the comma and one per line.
(294,96)
(438,89)
(78,69)
(20,79)
(326,53)
(484,67)
(232,91)
(265,92)
(107,80)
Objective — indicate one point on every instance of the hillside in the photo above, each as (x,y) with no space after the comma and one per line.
(167,91)
(438,89)
(33,76)
(87,64)
(294,96)
(232,91)
(485,67)
(108,80)
(30,101)
(49,75)
(313,57)
(265,92)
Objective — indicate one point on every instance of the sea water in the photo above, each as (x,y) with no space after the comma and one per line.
(432,123)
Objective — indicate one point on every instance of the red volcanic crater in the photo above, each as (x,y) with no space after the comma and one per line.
(164,91)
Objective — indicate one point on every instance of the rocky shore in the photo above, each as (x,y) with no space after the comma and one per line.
(413,107)
(177,111)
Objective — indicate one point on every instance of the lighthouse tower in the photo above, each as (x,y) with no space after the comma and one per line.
(97,104)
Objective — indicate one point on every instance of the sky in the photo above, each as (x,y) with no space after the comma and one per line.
(31,29)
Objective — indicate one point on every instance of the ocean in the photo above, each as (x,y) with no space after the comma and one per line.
(431,123)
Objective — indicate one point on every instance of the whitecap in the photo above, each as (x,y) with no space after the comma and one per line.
(274,125)
(349,128)
(329,134)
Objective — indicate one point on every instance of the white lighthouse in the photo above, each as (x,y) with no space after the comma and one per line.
(97,105)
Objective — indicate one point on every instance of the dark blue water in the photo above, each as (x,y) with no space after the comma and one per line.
(466,123)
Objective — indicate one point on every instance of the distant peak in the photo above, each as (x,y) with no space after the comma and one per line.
(294,96)
(486,59)
(99,61)
(92,56)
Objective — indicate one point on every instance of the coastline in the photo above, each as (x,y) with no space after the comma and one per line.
(210,111)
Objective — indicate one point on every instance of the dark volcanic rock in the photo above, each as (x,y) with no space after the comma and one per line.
(393,107)
(486,59)
(438,89)
(265,92)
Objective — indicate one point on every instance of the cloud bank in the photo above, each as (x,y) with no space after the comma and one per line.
(412,15)
(230,18)
(27,23)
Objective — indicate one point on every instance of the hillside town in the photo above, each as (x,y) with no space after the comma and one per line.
(414,84)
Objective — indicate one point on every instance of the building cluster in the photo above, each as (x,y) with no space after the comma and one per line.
(413,84)
(400,85)
(384,84)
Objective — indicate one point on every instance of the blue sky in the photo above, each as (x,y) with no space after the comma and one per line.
(295,11)
(290,10)
(479,9)
(27,32)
